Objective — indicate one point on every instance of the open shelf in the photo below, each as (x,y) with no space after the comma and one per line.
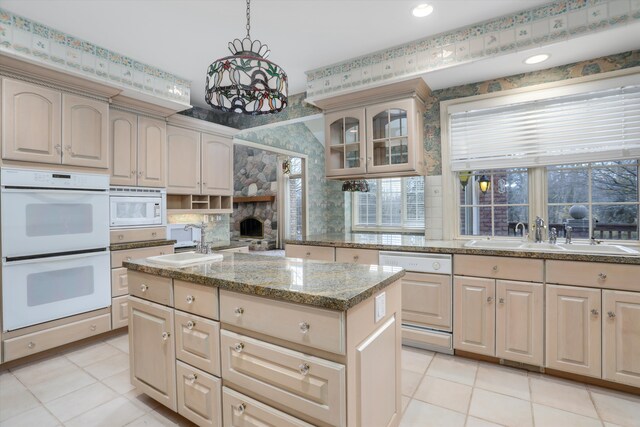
(198,204)
(254,199)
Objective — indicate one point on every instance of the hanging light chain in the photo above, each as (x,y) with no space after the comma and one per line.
(248,18)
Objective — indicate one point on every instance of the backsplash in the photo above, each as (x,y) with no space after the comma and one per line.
(217,226)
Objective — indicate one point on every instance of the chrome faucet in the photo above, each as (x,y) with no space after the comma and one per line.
(592,239)
(539,226)
(568,234)
(553,236)
(515,232)
(201,246)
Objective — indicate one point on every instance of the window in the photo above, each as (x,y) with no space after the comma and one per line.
(294,187)
(390,204)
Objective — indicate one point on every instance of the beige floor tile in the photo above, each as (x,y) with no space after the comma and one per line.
(121,342)
(14,397)
(41,370)
(410,381)
(60,382)
(80,401)
(142,401)
(500,409)
(92,354)
(561,394)
(618,408)
(501,379)
(39,417)
(121,382)
(117,412)
(416,360)
(453,369)
(447,394)
(164,413)
(109,367)
(551,417)
(421,414)
(152,419)
(477,422)
(405,402)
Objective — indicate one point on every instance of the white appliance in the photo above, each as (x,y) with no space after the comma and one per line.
(427,293)
(137,207)
(184,238)
(55,245)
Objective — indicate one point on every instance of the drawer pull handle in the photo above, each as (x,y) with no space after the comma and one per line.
(238,347)
(308,254)
(162,253)
(495,268)
(501,300)
(93,328)
(240,408)
(304,369)
(191,324)
(356,258)
(154,234)
(602,276)
(304,327)
(165,336)
(128,258)
(594,312)
(192,378)
(190,299)
(144,288)
(489,299)
(31,344)
(120,236)
(238,311)
(611,314)
(133,173)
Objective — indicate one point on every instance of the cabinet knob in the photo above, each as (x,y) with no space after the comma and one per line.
(93,328)
(128,258)
(494,269)
(204,183)
(162,252)
(240,408)
(190,299)
(594,312)
(304,327)
(501,300)
(154,233)
(602,276)
(356,258)
(140,174)
(133,173)
(192,378)
(165,336)
(144,288)
(489,299)
(304,369)
(191,324)
(238,347)
(120,236)
(238,311)
(31,345)
(68,148)
(308,254)
(611,314)
(59,148)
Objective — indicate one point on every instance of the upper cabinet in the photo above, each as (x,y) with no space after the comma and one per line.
(376,139)
(42,125)
(152,152)
(217,165)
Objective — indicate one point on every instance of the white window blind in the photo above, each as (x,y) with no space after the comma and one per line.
(575,128)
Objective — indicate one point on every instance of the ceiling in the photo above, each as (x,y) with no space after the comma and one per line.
(184,37)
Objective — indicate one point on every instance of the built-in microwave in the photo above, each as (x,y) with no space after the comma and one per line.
(137,207)
(183,238)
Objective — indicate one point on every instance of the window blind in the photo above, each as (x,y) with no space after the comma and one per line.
(575,128)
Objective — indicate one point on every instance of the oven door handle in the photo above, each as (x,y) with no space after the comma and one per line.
(40,259)
(49,191)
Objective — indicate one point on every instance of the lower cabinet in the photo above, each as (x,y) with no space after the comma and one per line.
(320,253)
(474,315)
(621,337)
(426,300)
(199,395)
(239,410)
(119,312)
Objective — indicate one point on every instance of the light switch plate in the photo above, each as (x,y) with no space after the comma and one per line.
(380,306)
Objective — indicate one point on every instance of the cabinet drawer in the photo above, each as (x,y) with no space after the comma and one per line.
(119,312)
(321,253)
(138,234)
(526,270)
(594,275)
(196,299)
(25,345)
(357,256)
(119,284)
(149,287)
(199,396)
(198,342)
(311,326)
(240,410)
(118,256)
(308,384)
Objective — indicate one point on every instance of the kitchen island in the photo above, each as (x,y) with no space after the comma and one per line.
(254,339)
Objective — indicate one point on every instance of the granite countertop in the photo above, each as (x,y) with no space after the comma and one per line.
(138,245)
(337,286)
(231,245)
(414,243)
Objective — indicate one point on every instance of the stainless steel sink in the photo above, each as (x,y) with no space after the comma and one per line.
(185,258)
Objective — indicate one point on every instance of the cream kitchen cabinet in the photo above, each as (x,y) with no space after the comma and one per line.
(198,163)
(426,300)
(474,315)
(319,253)
(621,337)
(345,143)
(43,125)
(357,256)
(138,150)
(199,396)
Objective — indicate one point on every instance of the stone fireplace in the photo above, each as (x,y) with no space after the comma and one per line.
(251,227)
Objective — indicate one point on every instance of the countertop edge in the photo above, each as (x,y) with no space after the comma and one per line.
(114,247)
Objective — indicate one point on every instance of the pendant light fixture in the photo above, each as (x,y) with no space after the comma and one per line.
(246,82)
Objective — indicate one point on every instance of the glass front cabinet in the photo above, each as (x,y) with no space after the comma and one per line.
(378,140)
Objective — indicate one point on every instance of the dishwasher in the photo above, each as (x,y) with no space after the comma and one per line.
(426,299)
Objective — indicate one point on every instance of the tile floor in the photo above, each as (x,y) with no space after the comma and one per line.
(90,386)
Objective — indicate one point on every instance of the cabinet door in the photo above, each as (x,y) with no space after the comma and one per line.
(85,132)
(573,329)
(621,336)
(31,123)
(520,322)
(474,315)
(392,137)
(242,411)
(426,300)
(217,165)
(320,253)
(199,396)
(152,359)
(198,342)
(345,143)
(123,134)
(183,161)
(119,312)
(152,152)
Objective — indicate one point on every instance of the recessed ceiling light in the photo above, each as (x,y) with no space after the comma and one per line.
(536,59)
(422,10)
